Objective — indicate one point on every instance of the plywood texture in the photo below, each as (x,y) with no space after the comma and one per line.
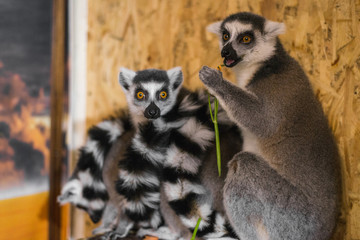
(323,35)
(26,217)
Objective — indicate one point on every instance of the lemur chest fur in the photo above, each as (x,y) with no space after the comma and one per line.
(244,74)
(250,140)
(251,143)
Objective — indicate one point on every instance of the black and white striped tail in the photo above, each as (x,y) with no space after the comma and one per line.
(139,177)
(190,200)
(86,189)
(186,194)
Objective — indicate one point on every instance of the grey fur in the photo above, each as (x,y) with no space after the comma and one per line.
(118,222)
(286,185)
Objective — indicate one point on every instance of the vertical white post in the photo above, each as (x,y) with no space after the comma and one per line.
(78,10)
(78,27)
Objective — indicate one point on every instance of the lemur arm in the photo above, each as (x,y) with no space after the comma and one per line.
(247,106)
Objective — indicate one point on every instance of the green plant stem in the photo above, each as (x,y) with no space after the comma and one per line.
(196,228)
(216,127)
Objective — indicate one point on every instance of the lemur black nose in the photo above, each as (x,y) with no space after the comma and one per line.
(225,53)
(152,112)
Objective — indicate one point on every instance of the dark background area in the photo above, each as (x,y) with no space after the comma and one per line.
(25,66)
(25,41)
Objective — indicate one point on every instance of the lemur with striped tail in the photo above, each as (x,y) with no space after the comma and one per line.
(172,127)
(285,184)
(172,130)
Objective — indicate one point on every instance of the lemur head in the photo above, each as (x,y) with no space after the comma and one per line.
(246,38)
(151,93)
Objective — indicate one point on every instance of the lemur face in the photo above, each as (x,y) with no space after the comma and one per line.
(246,38)
(151,93)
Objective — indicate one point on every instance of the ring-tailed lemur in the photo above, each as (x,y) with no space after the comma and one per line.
(174,130)
(191,136)
(285,184)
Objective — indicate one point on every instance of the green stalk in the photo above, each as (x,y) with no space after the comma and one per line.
(216,127)
(196,228)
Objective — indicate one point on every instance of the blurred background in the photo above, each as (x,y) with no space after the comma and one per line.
(59,62)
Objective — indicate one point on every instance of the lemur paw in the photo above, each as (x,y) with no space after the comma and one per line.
(112,235)
(210,77)
(243,162)
(101,230)
(162,233)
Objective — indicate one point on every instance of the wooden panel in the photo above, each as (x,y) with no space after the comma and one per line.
(27,218)
(57,105)
(323,35)
(24,217)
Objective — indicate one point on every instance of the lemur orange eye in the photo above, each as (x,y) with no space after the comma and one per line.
(163,94)
(246,39)
(140,95)
(226,36)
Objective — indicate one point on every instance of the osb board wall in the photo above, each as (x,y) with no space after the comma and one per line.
(323,35)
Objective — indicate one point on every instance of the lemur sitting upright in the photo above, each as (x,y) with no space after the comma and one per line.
(172,129)
(173,132)
(285,184)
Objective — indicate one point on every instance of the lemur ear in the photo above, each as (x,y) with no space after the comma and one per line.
(273,29)
(214,27)
(125,77)
(176,77)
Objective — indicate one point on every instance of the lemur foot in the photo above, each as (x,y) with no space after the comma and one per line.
(210,77)
(222,238)
(112,235)
(241,160)
(101,230)
(163,233)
